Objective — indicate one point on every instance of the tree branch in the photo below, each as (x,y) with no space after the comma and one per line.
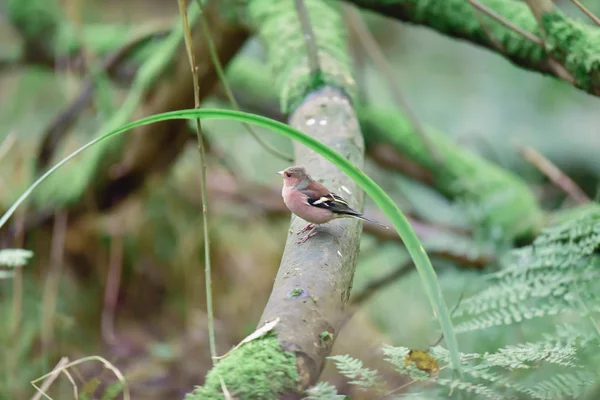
(572,44)
(153,147)
(314,279)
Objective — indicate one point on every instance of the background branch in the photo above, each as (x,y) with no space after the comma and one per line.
(574,42)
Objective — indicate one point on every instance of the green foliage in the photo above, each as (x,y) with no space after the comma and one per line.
(458,18)
(35,19)
(279,26)
(498,201)
(23,358)
(576,46)
(323,391)
(353,369)
(557,274)
(260,369)
(15,257)
(82,171)
(379,196)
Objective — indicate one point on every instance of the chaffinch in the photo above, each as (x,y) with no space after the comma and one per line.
(312,201)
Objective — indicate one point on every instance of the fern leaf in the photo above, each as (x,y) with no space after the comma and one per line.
(353,369)
(478,389)
(323,391)
(15,257)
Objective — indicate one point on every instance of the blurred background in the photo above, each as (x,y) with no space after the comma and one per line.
(118,269)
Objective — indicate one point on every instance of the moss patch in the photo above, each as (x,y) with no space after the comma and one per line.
(576,46)
(260,369)
(279,27)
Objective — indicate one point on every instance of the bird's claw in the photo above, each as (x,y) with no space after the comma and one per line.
(307,227)
(308,235)
(304,239)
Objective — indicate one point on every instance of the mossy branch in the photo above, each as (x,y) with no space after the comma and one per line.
(569,42)
(277,22)
(314,278)
(500,198)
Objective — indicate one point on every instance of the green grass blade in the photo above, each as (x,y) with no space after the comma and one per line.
(378,195)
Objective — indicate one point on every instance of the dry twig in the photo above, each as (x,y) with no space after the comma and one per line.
(587,12)
(556,176)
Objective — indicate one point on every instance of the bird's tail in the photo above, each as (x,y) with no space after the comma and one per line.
(359,216)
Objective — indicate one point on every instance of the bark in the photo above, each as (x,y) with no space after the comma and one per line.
(575,45)
(314,279)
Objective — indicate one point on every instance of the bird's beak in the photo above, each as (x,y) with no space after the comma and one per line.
(280,173)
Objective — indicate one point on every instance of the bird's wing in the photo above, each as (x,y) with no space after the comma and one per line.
(317,197)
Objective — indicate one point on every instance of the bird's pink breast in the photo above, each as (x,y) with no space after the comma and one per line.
(296,202)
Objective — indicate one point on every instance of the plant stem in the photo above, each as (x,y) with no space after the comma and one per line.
(312,50)
(229,93)
(207,270)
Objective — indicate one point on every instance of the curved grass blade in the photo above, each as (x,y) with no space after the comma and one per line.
(376,193)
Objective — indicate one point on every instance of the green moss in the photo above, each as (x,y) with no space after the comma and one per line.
(260,369)
(326,336)
(457,18)
(296,292)
(496,198)
(279,27)
(35,19)
(576,46)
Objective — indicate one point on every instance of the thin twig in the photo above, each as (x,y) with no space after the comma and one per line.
(460,298)
(377,284)
(107,364)
(207,270)
(495,42)
(372,48)
(51,378)
(113,283)
(225,391)
(587,12)
(538,8)
(312,50)
(494,15)
(7,144)
(51,287)
(556,176)
(17,301)
(229,93)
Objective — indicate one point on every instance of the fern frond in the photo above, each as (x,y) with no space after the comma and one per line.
(474,388)
(570,385)
(15,257)
(353,369)
(530,355)
(323,391)
(556,274)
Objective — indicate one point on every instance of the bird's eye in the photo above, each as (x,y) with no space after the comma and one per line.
(288,174)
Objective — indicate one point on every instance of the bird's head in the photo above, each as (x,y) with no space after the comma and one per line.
(293,176)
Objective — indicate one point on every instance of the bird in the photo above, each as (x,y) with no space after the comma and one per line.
(313,202)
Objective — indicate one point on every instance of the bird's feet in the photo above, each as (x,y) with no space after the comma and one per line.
(309,234)
(307,227)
